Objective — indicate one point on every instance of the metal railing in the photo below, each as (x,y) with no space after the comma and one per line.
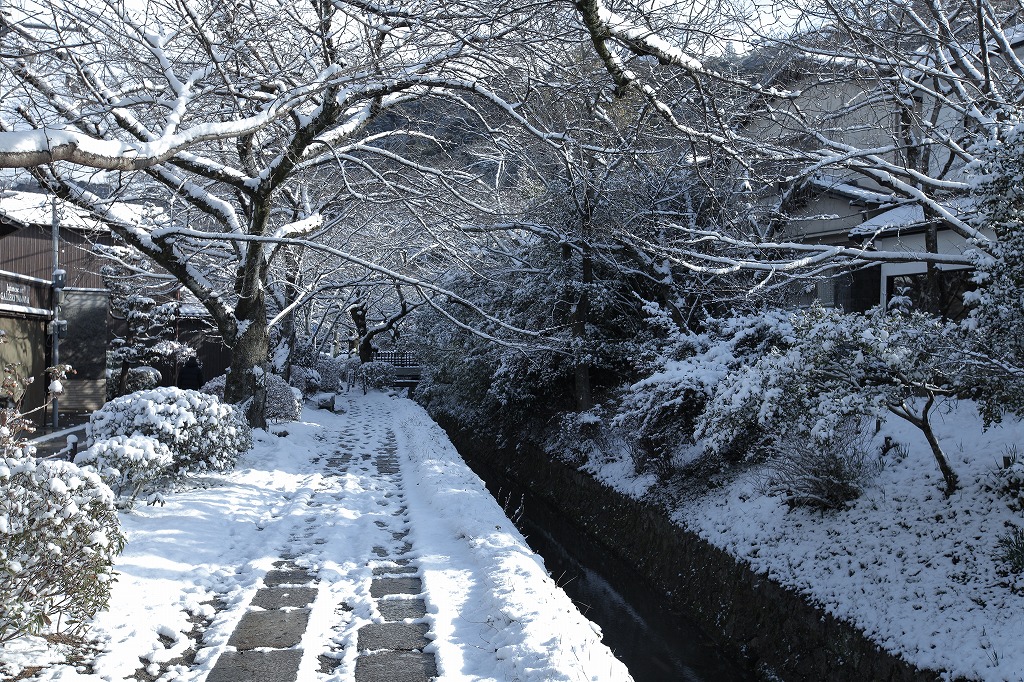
(397,359)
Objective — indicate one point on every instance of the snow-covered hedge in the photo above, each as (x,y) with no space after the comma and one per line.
(377,375)
(331,371)
(306,379)
(130,465)
(282,403)
(200,431)
(680,409)
(59,534)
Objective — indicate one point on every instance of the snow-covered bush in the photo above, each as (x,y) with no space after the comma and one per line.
(200,431)
(59,535)
(575,437)
(130,465)
(1010,550)
(349,372)
(134,379)
(757,383)
(378,375)
(306,379)
(282,403)
(142,379)
(822,474)
(331,371)
(668,409)
(1007,480)
(215,386)
(852,366)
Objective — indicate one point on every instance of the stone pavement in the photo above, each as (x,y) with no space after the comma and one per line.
(266,644)
(49,444)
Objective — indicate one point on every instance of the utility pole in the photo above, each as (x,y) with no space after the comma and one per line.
(59,280)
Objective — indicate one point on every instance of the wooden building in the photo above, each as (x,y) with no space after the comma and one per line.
(27,303)
(27,298)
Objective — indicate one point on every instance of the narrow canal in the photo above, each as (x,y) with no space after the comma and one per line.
(656,644)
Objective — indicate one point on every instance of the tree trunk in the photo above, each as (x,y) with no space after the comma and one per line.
(922,422)
(122,380)
(364,347)
(581,315)
(933,282)
(948,475)
(246,383)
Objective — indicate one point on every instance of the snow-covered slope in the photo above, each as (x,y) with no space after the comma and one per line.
(917,572)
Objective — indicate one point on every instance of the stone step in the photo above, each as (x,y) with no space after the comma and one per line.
(401,609)
(393,636)
(281,665)
(394,570)
(381,587)
(287,576)
(270,629)
(272,598)
(396,666)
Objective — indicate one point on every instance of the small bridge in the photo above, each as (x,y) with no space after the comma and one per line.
(407,367)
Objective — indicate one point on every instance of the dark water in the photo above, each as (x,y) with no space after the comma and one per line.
(656,644)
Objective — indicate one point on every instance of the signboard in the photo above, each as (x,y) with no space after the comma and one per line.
(24,294)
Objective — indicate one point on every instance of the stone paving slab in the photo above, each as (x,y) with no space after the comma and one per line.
(400,609)
(274,629)
(396,666)
(393,570)
(395,636)
(290,576)
(272,598)
(281,665)
(381,587)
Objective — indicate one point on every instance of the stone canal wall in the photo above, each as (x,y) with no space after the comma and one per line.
(766,627)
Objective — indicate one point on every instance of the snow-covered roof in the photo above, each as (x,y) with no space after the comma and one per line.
(904,217)
(899,218)
(36,208)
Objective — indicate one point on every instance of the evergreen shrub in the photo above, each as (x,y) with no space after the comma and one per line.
(282,403)
(59,535)
(201,432)
(130,465)
(378,375)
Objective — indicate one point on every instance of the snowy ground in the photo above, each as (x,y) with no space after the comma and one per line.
(194,565)
(914,570)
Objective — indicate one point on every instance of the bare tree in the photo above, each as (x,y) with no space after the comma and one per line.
(889,97)
(245,142)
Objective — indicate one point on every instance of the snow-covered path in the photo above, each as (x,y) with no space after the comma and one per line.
(354,506)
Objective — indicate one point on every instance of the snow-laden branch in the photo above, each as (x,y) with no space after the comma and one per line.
(393,275)
(797,258)
(603,25)
(45,145)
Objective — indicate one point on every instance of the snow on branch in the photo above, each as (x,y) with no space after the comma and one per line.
(45,145)
(795,258)
(604,25)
